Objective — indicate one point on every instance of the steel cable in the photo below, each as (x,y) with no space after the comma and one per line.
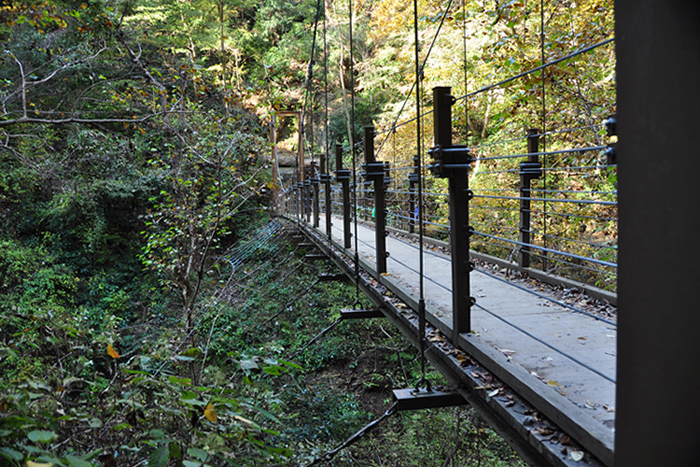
(329,455)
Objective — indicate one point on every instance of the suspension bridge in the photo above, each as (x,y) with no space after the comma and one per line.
(499,261)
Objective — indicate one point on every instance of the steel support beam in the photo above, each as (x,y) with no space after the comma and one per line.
(342,176)
(326,180)
(315,181)
(361,314)
(658,64)
(529,169)
(452,162)
(411,399)
(307,200)
(376,173)
(413,179)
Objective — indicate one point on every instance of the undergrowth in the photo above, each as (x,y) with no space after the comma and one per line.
(129,386)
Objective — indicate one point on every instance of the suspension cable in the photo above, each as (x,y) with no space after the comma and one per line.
(309,79)
(544,139)
(425,61)
(421,296)
(536,69)
(352,154)
(325,117)
(466,76)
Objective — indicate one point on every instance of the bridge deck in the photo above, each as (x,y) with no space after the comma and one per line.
(561,361)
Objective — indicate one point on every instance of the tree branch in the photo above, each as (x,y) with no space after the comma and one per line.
(63,121)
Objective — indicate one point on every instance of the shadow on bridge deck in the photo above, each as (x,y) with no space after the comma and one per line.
(561,362)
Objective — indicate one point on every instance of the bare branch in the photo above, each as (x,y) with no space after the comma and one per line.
(23,87)
(63,121)
(137,60)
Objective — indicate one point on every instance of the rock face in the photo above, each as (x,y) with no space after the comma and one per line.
(290,160)
(286,160)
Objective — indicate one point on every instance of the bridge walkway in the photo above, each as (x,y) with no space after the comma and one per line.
(561,361)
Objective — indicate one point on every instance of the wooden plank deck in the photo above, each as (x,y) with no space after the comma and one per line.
(562,362)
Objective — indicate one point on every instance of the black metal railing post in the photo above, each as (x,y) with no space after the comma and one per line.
(412,191)
(529,170)
(307,199)
(342,176)
(315,181)
(453,163)
(300,200)
(325,178)
(376,172)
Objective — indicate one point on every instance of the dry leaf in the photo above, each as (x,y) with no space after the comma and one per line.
(244,420)
(608,408)
(210,412)
(111,352)
(38,464)
(553,383)
(576,455)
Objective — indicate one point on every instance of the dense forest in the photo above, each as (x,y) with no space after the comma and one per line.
(134,165)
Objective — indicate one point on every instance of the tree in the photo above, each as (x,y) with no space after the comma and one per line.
(211,175)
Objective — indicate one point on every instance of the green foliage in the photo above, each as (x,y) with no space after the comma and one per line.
(130,137)
(208,185)
(194,423)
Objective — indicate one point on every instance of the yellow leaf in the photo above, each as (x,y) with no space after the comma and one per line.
(111,352)
(553,383)
(210,412)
